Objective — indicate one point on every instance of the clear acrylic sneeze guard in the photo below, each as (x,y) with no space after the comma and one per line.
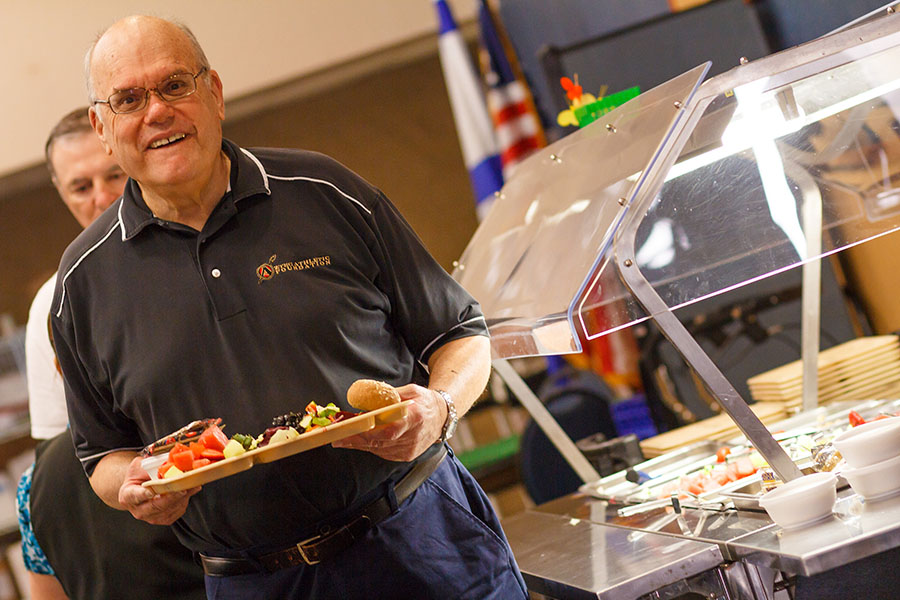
(763,168)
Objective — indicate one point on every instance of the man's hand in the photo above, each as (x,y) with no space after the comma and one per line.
(146,505)
(461,368)
(406,439)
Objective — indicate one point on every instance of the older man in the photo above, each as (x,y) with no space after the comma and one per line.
(75,546)
(165,314)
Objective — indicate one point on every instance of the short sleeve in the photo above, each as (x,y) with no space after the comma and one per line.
(46,394)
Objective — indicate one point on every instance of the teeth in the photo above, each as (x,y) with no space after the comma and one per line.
(168,140)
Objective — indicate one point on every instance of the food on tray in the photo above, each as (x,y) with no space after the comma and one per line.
(184,435)
(709,478)
(312,416)
(289,426)
(368,394)
(857,419)
(202,442)
(273,435)
(207,449)
(233,448)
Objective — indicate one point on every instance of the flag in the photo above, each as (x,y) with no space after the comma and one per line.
(516,122)
(473,124)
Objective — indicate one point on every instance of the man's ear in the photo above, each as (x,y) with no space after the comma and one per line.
(215,85)
(99,128)
(57,185)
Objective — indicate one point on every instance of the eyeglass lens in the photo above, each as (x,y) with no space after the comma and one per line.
(176,86)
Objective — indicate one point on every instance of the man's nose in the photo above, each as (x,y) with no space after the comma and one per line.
(157,108)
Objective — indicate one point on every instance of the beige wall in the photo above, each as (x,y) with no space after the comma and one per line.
(253,45)
(386,116)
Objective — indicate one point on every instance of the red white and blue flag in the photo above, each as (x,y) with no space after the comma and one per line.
(473,123)
(517,126)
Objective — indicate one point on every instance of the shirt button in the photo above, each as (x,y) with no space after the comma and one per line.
(216,273)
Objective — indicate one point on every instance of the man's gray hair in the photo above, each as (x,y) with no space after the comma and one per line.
(199,54)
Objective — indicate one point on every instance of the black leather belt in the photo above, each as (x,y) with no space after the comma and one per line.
(330,542)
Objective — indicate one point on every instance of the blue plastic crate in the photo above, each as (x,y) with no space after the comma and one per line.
(632,415)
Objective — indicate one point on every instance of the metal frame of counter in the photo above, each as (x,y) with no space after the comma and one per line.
(578,547)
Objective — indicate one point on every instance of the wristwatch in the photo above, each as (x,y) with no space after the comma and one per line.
(452,420)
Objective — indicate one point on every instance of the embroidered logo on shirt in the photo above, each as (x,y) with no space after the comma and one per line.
(268,270)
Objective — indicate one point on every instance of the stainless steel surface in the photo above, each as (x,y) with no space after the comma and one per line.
(573,559)
(546,422)
(856,530)
(746,538)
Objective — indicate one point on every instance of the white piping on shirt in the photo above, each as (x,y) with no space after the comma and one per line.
(62,299)
(121,221)
(259,166)
(435,340)
(337,189)
(267,176)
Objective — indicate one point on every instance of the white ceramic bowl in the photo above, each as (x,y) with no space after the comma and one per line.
(802,501)
(875,481)
(870,442)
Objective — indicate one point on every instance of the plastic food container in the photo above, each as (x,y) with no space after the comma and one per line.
(151,464)
(870,442)
(875,481)
(802,501)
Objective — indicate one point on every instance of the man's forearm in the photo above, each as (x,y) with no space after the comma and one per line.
(109,475)
(461,368)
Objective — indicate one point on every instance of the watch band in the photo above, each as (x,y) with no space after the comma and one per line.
(452,418)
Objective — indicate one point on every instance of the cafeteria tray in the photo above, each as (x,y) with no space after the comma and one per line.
(275,451)
(660,470)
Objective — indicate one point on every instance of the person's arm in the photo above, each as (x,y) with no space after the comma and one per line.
(461,368)
(117,481)
(45,587)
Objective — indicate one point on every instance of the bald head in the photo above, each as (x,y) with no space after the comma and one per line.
(144,27)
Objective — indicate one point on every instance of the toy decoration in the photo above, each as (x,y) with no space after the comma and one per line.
(587,108)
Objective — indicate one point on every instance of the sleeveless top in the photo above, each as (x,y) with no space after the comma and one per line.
(97,551)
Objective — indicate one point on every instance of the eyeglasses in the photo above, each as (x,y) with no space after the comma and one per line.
(170,89)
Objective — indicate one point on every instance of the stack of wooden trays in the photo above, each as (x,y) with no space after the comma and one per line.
(720,427)
(861,369)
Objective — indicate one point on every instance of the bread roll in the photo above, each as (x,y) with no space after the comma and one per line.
(368,394)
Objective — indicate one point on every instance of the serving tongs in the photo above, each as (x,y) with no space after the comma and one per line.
(677,514)
(675,502)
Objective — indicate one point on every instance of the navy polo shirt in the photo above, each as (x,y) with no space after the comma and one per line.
(303,279)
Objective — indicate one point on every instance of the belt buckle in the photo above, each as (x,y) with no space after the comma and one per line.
(302,550)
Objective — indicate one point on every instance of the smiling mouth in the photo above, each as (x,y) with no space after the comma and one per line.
(166,141)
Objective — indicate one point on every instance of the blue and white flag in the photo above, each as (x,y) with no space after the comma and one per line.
(473,123)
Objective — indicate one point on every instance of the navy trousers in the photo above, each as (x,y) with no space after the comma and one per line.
(443,543)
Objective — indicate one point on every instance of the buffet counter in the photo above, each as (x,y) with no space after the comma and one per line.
(586,546)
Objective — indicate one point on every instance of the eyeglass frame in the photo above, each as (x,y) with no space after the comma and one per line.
(147,91)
